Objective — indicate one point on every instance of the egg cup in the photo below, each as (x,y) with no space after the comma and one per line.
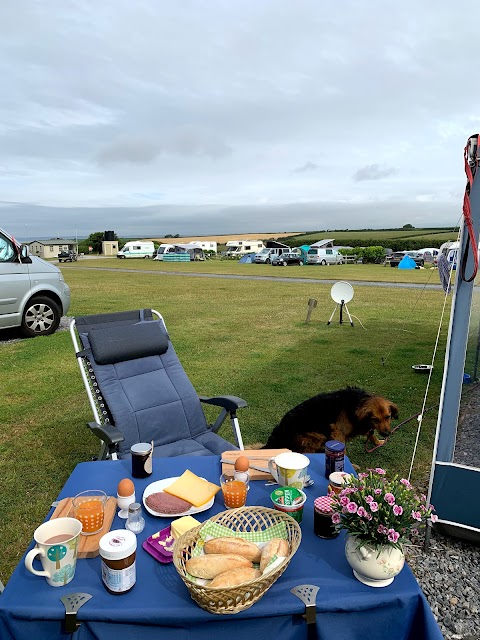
(124,502)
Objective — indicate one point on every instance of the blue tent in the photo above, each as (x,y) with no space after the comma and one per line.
(407,263)
(304,251)
(247,258)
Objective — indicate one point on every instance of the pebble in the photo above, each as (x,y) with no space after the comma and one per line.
(455,565)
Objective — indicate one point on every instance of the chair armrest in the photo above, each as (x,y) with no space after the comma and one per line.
(109,435)
(229,403)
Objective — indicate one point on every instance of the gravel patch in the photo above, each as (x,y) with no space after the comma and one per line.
(9,336)
(449,572)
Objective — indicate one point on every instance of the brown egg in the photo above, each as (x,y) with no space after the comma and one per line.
(241,463)
(125,487)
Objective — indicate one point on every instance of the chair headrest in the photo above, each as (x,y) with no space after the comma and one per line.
(118,344)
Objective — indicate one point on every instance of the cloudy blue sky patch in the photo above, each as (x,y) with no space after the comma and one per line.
(220,117)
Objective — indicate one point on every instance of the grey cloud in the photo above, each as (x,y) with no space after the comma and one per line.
(143,149)
(308,166)
(373,172)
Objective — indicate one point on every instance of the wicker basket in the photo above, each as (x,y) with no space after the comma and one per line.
(235,599)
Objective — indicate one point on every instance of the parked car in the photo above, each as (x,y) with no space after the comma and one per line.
(285,259)
(398,256)
(267,255)
(324,256)
(67,256)
(33,293)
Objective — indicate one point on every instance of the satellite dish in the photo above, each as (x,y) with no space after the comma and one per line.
(341,292)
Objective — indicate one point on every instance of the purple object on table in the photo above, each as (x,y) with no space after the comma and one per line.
(154,548)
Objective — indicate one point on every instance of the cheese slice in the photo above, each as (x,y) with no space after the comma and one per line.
(182,525)
(193,489)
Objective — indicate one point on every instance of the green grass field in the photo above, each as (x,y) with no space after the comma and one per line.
(243,337)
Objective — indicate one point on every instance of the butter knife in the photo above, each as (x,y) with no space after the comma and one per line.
(251,466)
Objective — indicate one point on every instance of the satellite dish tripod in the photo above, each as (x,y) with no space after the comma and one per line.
(341,292)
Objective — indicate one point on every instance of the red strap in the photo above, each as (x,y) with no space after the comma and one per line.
(467,214)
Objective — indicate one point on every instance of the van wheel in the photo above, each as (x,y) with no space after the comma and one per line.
(300,264)
(323,263)
(40,318)
(146,257)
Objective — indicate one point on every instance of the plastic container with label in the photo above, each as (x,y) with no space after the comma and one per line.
(118,554)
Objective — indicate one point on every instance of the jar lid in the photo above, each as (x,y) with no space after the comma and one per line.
(339,478)
(323,504)
(141,448)
(118,544)
(335,446)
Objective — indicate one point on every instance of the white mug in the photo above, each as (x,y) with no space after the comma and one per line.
(57,544)
(289,469)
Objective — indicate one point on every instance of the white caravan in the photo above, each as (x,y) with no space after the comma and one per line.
(137,249)
(205,245)
(238,248)
(164,249)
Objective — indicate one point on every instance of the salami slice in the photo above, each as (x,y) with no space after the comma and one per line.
(165,503)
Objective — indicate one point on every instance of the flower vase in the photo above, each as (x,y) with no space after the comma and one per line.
(374,566)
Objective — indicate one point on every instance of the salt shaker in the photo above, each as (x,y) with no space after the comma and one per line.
(135,521)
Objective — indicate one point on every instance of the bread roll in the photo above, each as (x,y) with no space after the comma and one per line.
(238,546)
(234,577)
(275,547)
(210,565)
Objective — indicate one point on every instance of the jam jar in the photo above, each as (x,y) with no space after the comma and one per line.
(323,526)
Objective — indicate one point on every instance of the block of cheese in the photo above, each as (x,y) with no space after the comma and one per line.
(193,489)
(182,525)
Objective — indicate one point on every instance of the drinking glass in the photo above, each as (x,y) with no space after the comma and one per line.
(89,508)
(234,491)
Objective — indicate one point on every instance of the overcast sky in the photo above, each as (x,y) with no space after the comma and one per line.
(210,116)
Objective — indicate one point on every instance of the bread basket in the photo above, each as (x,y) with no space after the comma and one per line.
(243,519)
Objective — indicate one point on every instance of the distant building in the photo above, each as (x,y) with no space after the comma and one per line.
(51,248)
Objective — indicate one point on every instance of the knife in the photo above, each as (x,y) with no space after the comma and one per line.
(251,466)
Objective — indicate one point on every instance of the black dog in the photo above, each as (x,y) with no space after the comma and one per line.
(338,415)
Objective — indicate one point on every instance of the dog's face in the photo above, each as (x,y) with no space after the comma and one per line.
(376,413)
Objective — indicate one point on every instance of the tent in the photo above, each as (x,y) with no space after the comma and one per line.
(247,258)
(455,478)
(304,252)
(407,263)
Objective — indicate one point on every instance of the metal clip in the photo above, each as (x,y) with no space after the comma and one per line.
(308,595)
(72,603)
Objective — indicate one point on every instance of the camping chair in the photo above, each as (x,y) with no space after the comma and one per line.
(139,391)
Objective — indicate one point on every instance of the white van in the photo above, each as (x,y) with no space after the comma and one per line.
(266,255)
(33,293)
(324,256)
(137,249)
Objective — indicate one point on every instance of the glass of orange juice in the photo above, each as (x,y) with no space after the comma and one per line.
(234,491)
(89,508)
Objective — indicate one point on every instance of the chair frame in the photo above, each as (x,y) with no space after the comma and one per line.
(109,434)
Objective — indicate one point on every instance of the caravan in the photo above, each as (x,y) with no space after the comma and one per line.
(137,249)
(238,248)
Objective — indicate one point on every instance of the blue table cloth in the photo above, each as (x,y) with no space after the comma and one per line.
(160,606)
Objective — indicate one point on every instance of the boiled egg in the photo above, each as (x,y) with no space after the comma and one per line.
(242,463)
(125,487)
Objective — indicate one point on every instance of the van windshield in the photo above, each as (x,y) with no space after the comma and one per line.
(264,251)
(161,250)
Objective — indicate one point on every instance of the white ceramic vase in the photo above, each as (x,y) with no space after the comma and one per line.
(375,567)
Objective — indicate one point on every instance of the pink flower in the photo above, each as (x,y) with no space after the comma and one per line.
(390,498)
(361,512)
(416,515)
(344,501)
(373,506)
(362,475)
(406,483)
(397,509)
(380,471)
(368,516)
(433,517)
(336,518)
(415,532)
(381,529)
(352,507)
(393,536)
(377,492)
(369,499)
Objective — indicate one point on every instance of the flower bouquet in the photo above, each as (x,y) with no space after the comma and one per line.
(379,515)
